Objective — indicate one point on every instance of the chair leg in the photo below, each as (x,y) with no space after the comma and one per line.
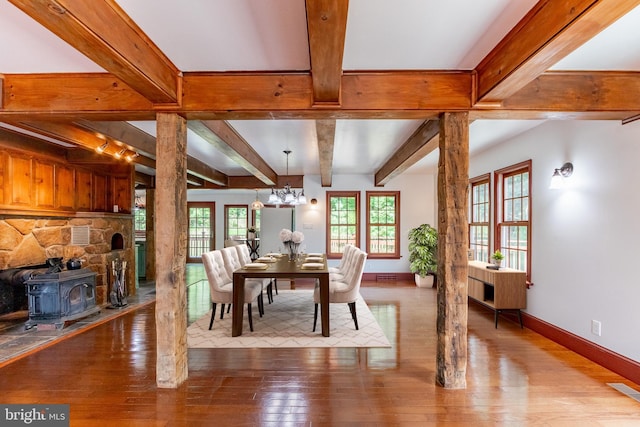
(228,308)
(352,308)
(315,317)
(213,314)
(275,285)
(222,311)
(260,305)
(270,292)
(250,318)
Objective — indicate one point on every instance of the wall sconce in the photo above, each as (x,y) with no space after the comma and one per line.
(557,180)
(103,147)
(120,153)
(314,201)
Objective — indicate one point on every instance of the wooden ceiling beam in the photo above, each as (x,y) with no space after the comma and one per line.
(226,140)
(147,181)
(579,91)
(327,27)
(200,169)
(326,133)
(422,142)
(384,95)
(549,32)
(146,144)
(103,32)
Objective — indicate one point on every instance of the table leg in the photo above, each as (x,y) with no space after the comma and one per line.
(238,305)
(324,304)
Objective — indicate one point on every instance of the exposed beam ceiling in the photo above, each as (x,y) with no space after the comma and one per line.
(511,81)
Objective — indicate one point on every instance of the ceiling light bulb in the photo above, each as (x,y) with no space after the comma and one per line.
(102,147)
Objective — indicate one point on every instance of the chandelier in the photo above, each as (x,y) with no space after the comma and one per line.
(257,204)
(286,195)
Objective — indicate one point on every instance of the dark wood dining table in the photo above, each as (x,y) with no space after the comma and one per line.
(281,268)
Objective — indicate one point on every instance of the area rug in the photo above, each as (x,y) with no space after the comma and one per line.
(287,323)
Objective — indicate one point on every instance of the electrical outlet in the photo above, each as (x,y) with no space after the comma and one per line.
(596,327)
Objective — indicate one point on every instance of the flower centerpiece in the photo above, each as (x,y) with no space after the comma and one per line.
(291,240)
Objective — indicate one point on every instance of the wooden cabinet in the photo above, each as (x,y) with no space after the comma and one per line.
(33,182)
(504,289)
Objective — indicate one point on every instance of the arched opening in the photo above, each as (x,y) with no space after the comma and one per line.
(117,242)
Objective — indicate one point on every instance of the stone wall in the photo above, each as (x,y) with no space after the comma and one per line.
(31,240)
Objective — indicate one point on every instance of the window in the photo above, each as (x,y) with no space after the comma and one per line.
(343,211)
(383,224)
(236,221)
(256,215)
(140,221)
(480,205)
(201,229)
(513,215)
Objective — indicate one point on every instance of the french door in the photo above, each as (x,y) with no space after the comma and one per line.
(201,229)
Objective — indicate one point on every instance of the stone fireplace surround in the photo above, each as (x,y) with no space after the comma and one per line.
(26,241)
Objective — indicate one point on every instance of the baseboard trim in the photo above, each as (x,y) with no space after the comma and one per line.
(615,362)
(606,358)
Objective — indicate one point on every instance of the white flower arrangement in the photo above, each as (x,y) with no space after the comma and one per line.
(291,240)
(287,236)
(297,237)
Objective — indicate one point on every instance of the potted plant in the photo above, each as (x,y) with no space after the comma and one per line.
(251,233)
(497,258)
(423,245)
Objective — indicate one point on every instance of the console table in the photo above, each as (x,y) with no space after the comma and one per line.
(500,290)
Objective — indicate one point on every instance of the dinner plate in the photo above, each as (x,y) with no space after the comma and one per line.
(274,254)
(314,265)
(266,259)
(315,254)
(313,259)
(256,265)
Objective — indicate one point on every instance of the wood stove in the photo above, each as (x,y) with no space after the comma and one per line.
(58,297)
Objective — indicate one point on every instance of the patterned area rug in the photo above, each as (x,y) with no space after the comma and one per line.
(288,322)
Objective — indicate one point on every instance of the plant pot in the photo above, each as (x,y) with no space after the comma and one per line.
(424,281)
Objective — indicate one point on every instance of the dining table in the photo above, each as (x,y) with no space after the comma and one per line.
(280,266)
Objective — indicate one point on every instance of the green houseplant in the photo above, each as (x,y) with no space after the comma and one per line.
(423,246)
(497,257)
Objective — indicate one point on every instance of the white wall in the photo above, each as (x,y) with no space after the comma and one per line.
(417,206)
(584,246)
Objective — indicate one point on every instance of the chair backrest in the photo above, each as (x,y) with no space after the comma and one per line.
(231,260)
(353,276)
(345,253)
(216,274)
(349,253)
(243,254)
(233,242)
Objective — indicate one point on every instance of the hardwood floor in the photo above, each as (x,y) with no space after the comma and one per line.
(515,377)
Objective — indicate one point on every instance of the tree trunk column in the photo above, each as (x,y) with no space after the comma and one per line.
(150,236)
(453,180)
(171,250)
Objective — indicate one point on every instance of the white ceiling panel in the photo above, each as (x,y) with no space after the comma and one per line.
(426,34)
(226,35)
(615,48)
(28,47)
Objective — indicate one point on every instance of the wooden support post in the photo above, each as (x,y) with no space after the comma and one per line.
(171,250)
(453,180)
(150,243)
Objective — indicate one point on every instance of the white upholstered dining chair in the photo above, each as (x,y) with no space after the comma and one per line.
(221,286)
(232,263)
(347,289)
(245,257)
